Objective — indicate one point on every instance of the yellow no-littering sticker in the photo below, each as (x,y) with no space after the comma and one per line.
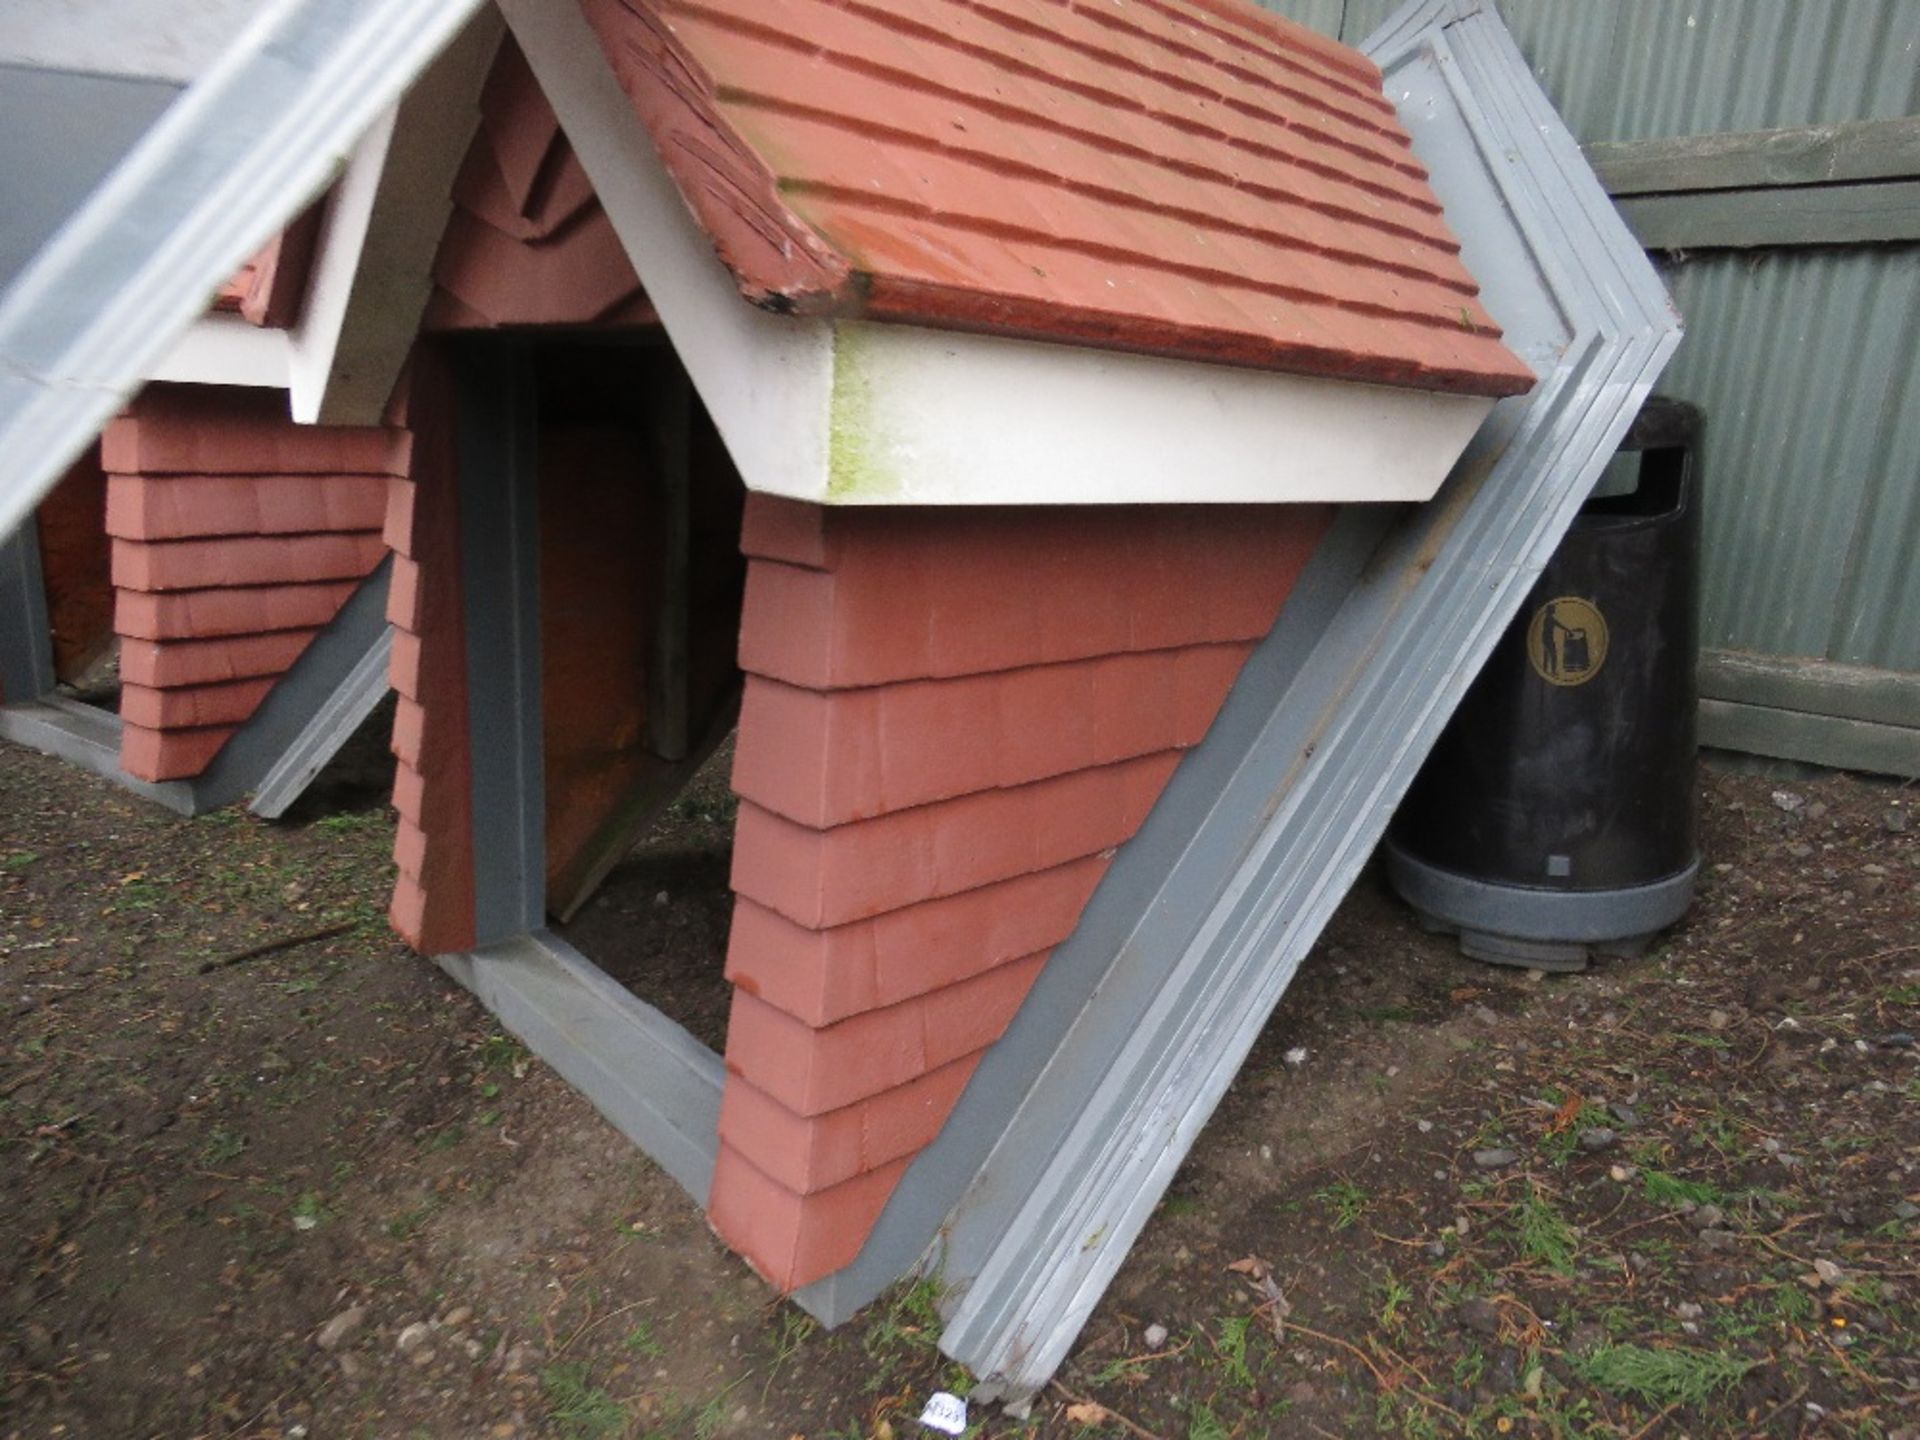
(1567,641)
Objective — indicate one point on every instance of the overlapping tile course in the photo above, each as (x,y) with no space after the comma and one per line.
(1185,177)
(528,242)
(952,720)
(237,535)
(433,894)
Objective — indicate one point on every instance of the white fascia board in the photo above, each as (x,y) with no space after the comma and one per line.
(227,350)
(928,417)
(373,268)
(857,413)
(766,380)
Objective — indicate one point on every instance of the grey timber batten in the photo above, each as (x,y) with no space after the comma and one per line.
(1264,859)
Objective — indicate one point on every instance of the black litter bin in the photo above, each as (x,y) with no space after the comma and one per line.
(1556,815)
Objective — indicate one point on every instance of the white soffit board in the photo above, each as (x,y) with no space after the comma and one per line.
(855,413)
(226,350)
(228,164)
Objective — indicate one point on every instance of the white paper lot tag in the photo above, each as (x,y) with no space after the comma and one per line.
(945,1413)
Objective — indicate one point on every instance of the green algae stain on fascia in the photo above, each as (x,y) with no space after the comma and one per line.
(858,465)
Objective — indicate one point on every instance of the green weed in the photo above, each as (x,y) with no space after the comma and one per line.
(578,1409)
(1203,1424)
(1661,1377)
(222,1146)
(1347,1201)
(1231,1350)
(1665,1189)
(1545,1235)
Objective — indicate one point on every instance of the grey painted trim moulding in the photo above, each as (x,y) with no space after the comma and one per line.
(301,724)
(227,164)
(1249,884)
(658,1085)
(26,639)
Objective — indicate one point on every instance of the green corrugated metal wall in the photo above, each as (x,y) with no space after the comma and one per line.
(1805,360)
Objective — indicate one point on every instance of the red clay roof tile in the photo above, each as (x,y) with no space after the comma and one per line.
(1183,177)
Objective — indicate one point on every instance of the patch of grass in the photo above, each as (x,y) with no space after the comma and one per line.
(1394,1298)
(577,1408)
(1347,1201)
(1559,1146)
(1203,1424)
(502,1052)
(1544,1234)
(407,1223)
(906,1329)
(18,860)
(1661,1377)
(1665,1189)
(642,1341)
(222,1146)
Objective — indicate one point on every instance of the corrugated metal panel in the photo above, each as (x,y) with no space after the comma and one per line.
(1322,15)
(1804,364)
(1635,69)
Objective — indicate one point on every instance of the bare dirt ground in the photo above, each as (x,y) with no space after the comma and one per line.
(315,1192)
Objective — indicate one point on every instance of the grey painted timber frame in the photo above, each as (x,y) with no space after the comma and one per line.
(1250,867)
(309,714)
(26,638)
(657,1084)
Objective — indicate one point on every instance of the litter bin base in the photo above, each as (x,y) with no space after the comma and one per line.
(1538,929)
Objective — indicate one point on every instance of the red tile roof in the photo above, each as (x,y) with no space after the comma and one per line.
(1184,177)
